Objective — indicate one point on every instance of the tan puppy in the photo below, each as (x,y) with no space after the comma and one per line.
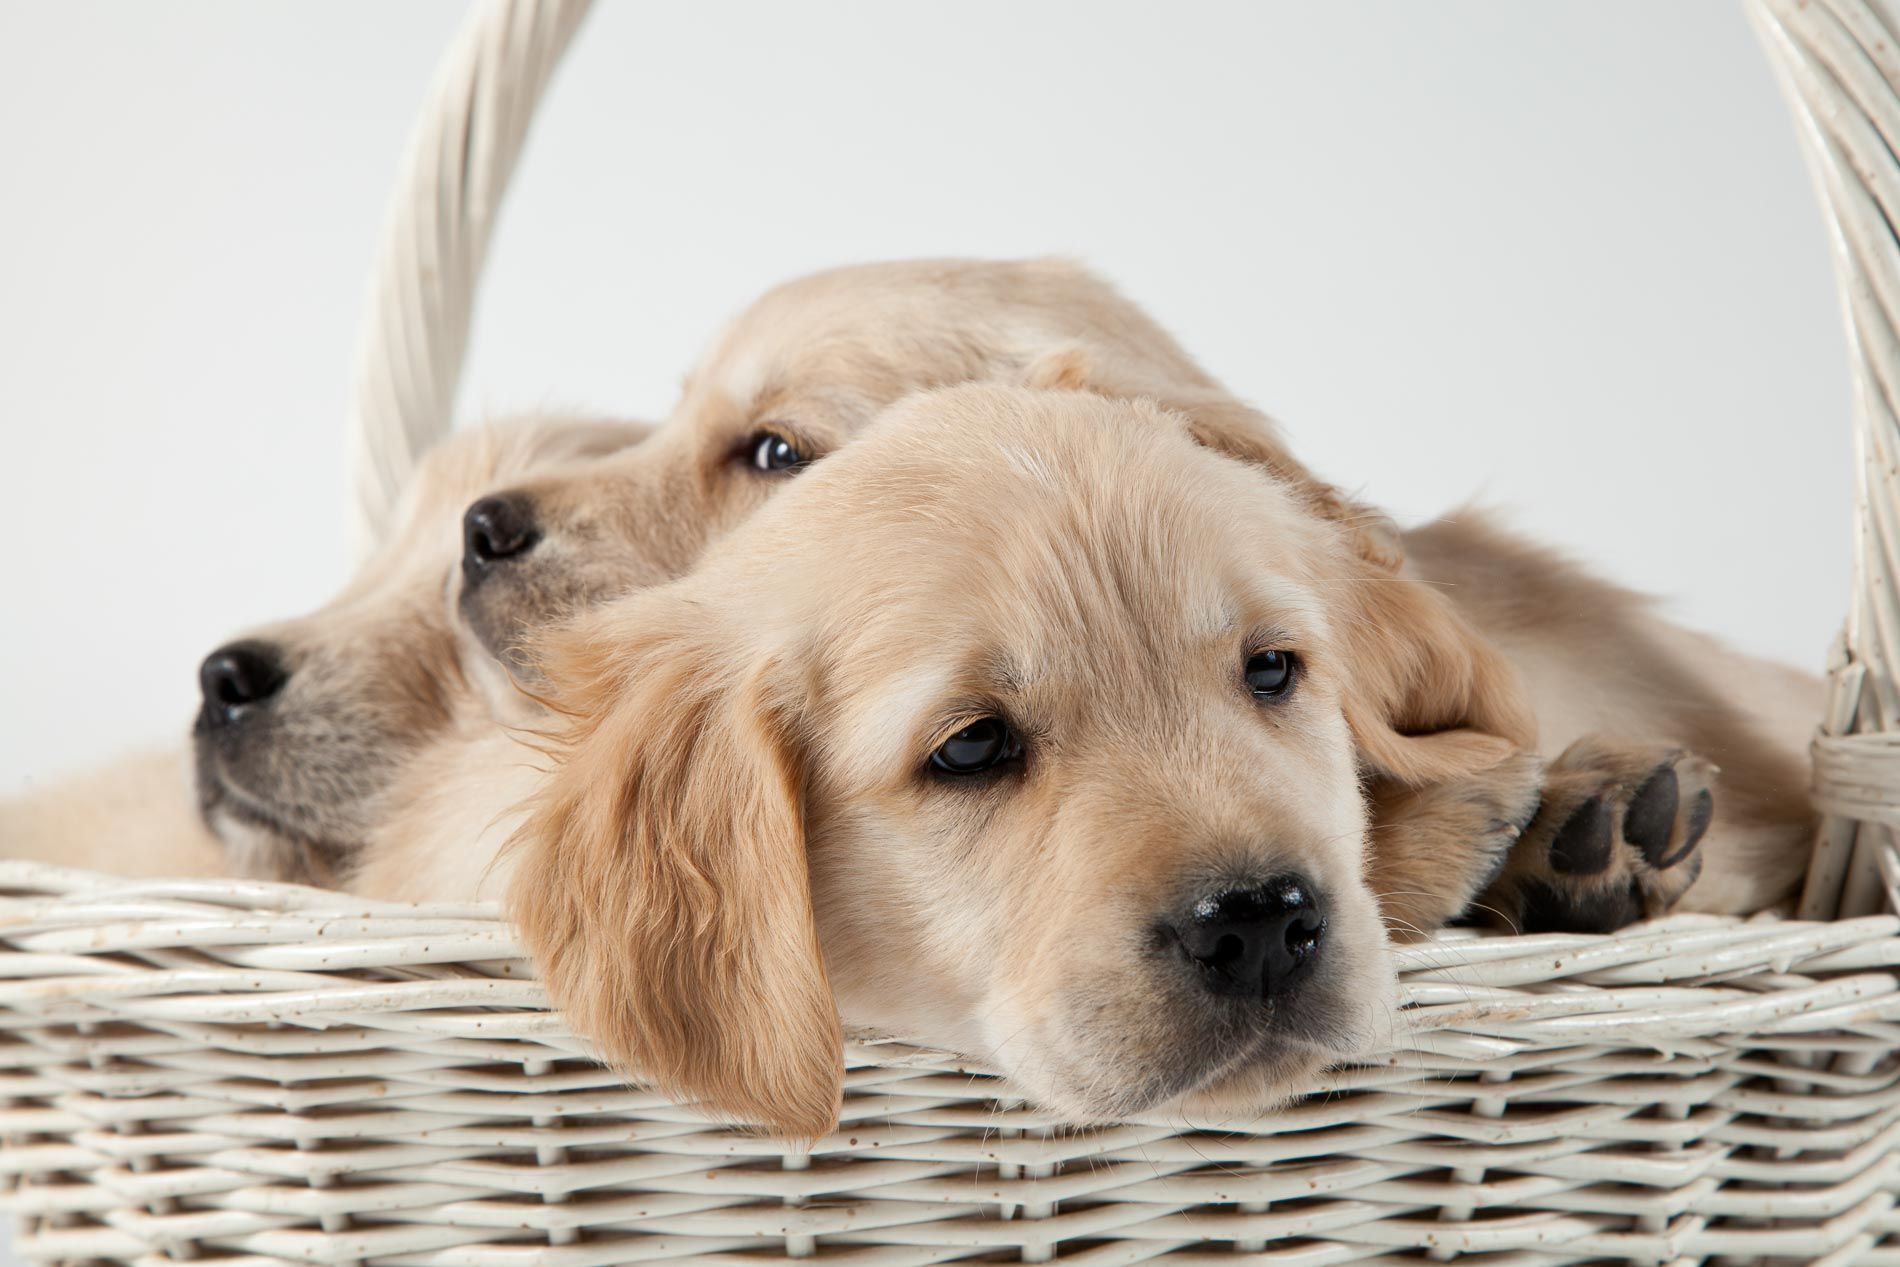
(1043,719)
(307,724)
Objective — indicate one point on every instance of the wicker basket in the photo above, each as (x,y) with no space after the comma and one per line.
(234,1071)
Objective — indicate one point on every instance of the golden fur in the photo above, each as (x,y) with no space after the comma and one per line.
(1078,564)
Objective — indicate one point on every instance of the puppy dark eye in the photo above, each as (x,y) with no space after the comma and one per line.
(982,745)
(1270,673)
(769,451)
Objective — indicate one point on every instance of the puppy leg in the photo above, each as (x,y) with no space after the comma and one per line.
(1434,849)
(1616,840)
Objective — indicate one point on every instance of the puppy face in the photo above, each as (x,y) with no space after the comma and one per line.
(1040,718)
(1054,824)
(794,378)
(305,723)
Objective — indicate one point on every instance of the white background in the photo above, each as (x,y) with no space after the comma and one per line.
(1563,256)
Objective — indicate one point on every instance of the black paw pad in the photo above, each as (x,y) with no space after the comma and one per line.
(1650,820)
(1582,844)
(1549,910)
(1701,810)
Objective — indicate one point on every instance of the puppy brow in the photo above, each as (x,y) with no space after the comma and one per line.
(1006,672)
(979,687)
(1268,637)
(1288,609)
(1212,622)
(747,372)
(891,714)
(763,400)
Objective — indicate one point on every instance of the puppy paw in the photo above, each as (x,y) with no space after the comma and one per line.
(1615,840)
(1436,848)
(1498,806)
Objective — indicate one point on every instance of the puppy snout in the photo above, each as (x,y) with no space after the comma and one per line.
(237,678)
(498,527)
(1255,942)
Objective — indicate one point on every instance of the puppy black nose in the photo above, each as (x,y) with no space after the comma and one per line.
(239,676)
(496,528)
(1257,942)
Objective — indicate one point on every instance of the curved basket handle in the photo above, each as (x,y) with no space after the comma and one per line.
(454,174)
(1839,64)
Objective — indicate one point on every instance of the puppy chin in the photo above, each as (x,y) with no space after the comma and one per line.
(502,693)
(1263,1081)
(1273,1079)
(255,844)
(250,849)
(1363,1029)
(1358,1019)
(1257,1089)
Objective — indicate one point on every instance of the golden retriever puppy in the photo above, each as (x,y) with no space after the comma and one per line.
(1025,725)
(306,724)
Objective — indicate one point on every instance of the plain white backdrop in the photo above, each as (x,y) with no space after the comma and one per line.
(1563,257)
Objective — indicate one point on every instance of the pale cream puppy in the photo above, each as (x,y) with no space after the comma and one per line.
(1183,657)
(296,780)
(290,781)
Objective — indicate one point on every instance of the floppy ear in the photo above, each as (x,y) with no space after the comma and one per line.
(661,879)
(1228,426)
(1219,422)
(1427,697)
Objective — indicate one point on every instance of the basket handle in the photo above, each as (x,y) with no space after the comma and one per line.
(1838,62)
(435,236)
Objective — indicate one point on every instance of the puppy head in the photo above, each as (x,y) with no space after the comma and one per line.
(1031,711)
(305,723)
(796,376)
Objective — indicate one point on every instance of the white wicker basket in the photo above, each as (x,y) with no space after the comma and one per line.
(235,1071)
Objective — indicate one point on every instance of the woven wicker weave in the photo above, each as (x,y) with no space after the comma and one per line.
(197,1067)
(242,1072)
